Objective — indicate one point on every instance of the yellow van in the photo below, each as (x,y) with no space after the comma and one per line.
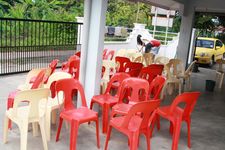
(208,50)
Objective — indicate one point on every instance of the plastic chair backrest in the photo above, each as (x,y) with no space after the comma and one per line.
(139,59)
(110,54)
(108,65)
(74,68)
(78,54)
(220,62)
(53,65)
(121,52)
(156,86)
(190,68)
(69,86)
(33,97)
(104,53)
(121,62)
(136,88)
(116,78)
(172,70)
(162,60)
(149,58)
(32,73)
(144,109)
(133,69)
(39,80)
(150,72)
(189,98)
(55,77)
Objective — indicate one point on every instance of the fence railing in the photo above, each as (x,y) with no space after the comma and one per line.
(164,37)
(27,44)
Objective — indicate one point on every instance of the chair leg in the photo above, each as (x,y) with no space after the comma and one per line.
(105,118)
(189,133)
(35,129)
(134,141)
(48,124)
(171,128)
(148,136)
(180,87)
(73,134)
(176,134)
(23,135)
(43,133)
(158,121)
(54,116)
(97,133)
(108,137)
(59,128)
(5,132)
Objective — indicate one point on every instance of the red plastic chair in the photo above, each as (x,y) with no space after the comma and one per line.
(150,72)
(134,90)
(53,66)
(104,53)
(78,53)
(109,55)
(156,87)
(74,68)
(36,84)
(133,68)
(107,100)
(75,116)
(65,65)
(137,121)
(176,115)
(121,61)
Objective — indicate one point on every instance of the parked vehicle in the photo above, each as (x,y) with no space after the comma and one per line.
(208,50)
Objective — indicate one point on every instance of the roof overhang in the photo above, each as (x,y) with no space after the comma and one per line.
(166,4)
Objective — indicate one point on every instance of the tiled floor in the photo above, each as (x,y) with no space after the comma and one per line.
(208,123)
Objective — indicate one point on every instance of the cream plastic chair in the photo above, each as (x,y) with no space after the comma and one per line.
(186,76)
(149,58)
(27,85)
(139,59)
(31,113)
(172,71)
(53,103)
(121,52)
(134,56)
(108,64)
(220,73)
(162,60)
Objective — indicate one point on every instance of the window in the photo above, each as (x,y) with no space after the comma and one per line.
(205,44)
(219,43)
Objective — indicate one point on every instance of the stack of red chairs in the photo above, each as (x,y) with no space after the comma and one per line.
(107,100)
(121,61)
(133,68)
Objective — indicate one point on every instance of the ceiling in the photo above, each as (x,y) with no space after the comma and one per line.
(166,4)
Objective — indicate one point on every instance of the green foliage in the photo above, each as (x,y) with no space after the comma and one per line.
(124,13)
(60,10)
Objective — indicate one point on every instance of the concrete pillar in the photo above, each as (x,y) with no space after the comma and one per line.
(185,33)
(93,42)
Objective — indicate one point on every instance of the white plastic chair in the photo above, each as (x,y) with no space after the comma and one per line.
(53,103)
(27,85)
(172,71)
(31,113)
(108,64)
(186,76)
(220,73)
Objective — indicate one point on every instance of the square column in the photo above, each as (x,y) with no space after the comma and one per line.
(93,40)
(187,23)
